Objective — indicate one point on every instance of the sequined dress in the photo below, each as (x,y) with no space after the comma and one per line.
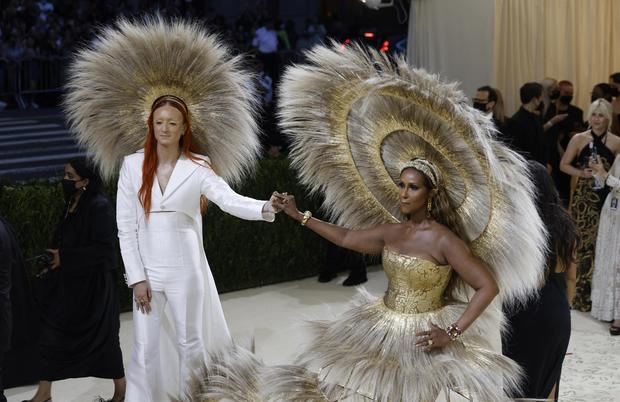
(369,354)
(586,207)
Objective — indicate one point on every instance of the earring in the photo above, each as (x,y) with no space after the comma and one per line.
(429,207)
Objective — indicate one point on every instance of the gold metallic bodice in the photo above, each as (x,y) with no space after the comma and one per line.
(415,285)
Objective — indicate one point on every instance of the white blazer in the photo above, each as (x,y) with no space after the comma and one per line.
(189,180)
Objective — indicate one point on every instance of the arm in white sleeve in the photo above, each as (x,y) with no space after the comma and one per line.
(127,222)
(217,190)
(613,181)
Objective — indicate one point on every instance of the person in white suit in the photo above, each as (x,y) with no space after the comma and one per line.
(160,232)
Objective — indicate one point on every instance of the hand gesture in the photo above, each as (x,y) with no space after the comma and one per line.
(286,203)
(55,258)
(142,295)
(436,337)
(597,166)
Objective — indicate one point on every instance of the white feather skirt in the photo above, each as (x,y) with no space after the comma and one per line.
(370,354)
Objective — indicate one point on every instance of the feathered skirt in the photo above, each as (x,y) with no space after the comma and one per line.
(369,354)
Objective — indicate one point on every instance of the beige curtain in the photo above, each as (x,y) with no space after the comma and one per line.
(577,40)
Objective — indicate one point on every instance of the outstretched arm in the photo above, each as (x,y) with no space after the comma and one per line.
(368,241)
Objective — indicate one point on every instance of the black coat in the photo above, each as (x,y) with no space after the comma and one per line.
(79,300)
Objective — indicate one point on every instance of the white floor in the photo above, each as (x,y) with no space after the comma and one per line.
(274,316)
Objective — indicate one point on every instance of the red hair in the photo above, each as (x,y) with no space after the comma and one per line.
(149,165)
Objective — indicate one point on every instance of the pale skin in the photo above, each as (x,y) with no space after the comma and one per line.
(169,127)
(419,236)
(599,125)
(44,389)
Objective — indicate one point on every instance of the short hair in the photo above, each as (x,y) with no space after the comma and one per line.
(615,77)
(529,91)
(491,91)
(601,105)
(565,82)
(606,91)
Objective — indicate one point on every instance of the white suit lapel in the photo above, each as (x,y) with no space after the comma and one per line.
(181,172)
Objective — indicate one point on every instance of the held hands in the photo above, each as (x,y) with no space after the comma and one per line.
(286,203)
(434,338)
(142,296)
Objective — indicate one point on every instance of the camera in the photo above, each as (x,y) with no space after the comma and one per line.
(43,262)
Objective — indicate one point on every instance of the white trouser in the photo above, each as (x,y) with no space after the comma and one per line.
(176,280)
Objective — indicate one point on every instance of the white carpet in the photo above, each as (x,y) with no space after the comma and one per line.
(275,316)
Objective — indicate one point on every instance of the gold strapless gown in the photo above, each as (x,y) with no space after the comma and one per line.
(370,353)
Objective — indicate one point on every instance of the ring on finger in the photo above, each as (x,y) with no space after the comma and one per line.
(430,342)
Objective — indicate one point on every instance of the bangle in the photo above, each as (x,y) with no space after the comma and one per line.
(454,332)
(307,215)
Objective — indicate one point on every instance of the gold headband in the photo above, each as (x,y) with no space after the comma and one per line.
(425,167)
(170,98)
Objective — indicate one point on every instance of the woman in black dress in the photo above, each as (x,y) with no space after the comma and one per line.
(538,333)
(77,296)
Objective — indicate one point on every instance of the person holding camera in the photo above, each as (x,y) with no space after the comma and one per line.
(77,294)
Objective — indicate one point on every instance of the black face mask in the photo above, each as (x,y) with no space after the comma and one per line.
(68,188)
(480,106)
(566,99)
(554,94)
(540,108)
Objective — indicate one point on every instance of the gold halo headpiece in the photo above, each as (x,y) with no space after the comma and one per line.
(355,116)
(114,83)
(425,167)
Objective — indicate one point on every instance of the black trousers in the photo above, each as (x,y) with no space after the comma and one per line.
(5,338)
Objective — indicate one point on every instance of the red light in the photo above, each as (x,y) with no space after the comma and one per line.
(385,46)
(369,34)
(345,43)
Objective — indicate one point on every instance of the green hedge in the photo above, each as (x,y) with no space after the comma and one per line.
(241,254)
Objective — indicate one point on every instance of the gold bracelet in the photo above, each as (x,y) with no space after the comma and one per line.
(454,332)
(307,216)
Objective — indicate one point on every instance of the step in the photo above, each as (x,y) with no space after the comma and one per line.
(39,172)
(28,127)
(22,152)
(40,134)
(34,161)
(8,145)
(16,122)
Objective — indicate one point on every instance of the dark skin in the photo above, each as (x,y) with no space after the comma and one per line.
(419,236)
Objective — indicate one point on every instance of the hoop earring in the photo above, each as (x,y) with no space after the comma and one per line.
(429,207)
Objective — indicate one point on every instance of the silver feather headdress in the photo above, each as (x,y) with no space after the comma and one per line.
(114,81)
(355,116)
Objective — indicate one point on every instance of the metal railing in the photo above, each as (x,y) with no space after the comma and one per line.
(28,76)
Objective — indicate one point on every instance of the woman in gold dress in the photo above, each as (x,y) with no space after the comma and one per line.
(588,197)
(407,169)
(410,344)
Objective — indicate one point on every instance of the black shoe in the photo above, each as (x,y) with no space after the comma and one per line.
(327,276)
(614,331)
(355,279)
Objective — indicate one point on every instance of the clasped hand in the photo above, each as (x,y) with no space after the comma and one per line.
(285,202)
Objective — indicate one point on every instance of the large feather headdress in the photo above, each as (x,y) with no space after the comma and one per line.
(355,116)
(114,81)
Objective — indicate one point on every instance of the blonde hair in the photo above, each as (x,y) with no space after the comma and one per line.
(602,106)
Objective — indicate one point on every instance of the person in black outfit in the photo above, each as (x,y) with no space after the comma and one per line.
(78,298)
(525,126)
(562,121)
(9,254)
(339,259)
(18,321)
(487,100)
(538,333)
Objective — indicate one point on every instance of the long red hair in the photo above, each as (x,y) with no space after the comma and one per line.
(149,165)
